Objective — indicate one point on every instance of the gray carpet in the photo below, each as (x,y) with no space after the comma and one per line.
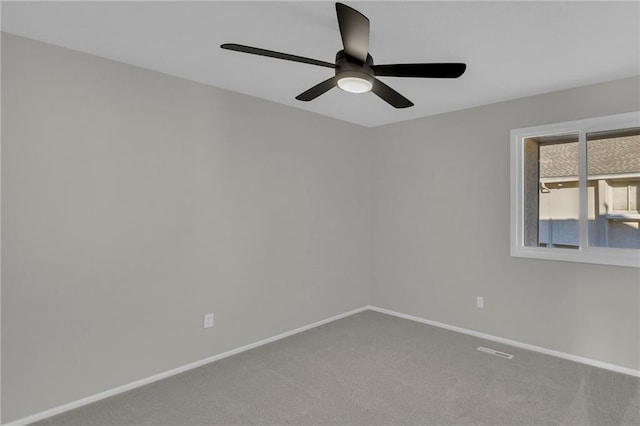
(370,369)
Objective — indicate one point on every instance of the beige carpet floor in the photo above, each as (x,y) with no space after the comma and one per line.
(375,369)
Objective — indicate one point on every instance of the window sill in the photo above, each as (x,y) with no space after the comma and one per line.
(596,255)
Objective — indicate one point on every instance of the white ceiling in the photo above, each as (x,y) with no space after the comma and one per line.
(512,49)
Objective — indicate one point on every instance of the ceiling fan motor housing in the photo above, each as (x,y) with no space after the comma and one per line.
(348,66)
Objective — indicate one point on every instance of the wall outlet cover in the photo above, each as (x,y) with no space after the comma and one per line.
(208,320)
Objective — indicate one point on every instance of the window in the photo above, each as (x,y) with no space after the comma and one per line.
(575,191)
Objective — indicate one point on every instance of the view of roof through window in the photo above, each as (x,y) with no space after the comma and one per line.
(613,190)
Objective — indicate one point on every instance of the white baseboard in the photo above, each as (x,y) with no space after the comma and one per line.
(111,392)
(138,383)
(515,343)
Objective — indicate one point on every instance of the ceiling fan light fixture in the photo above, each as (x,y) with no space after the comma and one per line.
(355,84)
(354,68)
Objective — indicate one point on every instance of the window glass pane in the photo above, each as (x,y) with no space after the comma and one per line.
(551,194)
(613,172)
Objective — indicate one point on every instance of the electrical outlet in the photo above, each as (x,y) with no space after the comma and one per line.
(480,302)
(208,320)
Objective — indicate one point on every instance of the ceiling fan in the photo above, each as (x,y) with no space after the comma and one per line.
(354,68)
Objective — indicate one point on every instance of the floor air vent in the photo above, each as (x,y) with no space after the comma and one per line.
(496,353)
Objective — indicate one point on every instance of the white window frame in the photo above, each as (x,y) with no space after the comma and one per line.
(585,253)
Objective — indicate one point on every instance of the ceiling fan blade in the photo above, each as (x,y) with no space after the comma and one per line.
(441,70)
(389,95)
(354,30)
(317,90)
(277,55)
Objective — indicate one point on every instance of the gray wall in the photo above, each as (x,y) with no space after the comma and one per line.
(442,232)
(134,202)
